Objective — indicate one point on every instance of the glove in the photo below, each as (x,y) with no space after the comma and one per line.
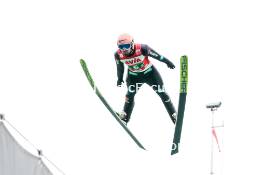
(170,65)
(119,82)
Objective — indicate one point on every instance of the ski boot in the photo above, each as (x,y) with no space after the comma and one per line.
(174,117)
(123,117)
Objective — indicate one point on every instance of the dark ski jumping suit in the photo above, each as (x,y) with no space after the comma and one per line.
(140,71)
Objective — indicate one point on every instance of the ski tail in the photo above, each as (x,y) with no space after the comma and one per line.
(181,105)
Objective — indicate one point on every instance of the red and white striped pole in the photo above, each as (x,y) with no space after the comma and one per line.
(213,107)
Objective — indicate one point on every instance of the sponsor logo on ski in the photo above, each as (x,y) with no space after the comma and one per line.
(184,75)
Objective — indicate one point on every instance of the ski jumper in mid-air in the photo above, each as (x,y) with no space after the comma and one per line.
(140,71)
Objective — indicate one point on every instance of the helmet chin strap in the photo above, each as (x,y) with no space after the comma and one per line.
(132,49)
(131,52)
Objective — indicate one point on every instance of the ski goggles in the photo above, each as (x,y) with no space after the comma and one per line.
(124,46)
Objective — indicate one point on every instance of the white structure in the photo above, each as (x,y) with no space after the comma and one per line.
(15,160)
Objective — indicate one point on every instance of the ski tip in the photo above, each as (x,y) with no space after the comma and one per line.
(185,56)
(82,61)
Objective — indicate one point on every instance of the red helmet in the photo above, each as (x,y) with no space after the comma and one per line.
(125,43)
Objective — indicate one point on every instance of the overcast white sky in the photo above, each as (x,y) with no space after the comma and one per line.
(44,93)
